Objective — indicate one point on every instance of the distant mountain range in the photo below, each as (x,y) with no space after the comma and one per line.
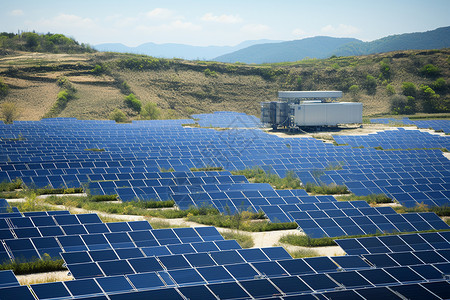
(171,50)
(324,47)
(271,51)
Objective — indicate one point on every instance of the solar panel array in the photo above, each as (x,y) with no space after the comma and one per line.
(438,125)
(227,119)
(130,159)
(199,263)
(409,185)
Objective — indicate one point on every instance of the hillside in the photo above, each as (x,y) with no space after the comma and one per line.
(323,47)
(181,88)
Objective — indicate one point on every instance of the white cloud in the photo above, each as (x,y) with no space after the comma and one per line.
(228,19)
(16,12)
(297,32)
(176,25)
(67,21)
(255,29)
(340,30)
(159,13)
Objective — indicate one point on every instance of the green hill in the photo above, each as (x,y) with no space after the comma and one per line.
(97,83)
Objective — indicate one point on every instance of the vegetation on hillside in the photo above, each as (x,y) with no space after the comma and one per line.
(175,88)
(35,42)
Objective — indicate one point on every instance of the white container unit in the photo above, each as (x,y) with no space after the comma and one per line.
(327,114)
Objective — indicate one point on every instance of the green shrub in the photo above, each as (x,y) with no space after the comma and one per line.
(306,241)
(401,104)
(39,266)
(331,189)
(9,112)
(209,73)
(409,89)
(429,70)
(370,84)
(132,102)
(207,168)
(371,199)
(390,90)
(4,88)
(258,175)
(150,111)
(118,116)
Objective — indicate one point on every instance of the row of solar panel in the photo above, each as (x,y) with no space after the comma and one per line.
(438,125)
(367,284)
(335,227)
(29,249)
(386,244)
(263,258)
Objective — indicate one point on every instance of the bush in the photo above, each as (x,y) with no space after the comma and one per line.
(430,100)
(209,73)
(429,70)
(306,241)
(4,88)
(370,84)
(385,70)
(257,175)
(39,266)
(331,189)
(132,102)
(390,90)
(371,199)
(401,105)
(354,91)
(118,116)
(150,111)
(439,85)
(409,89)
(9,112)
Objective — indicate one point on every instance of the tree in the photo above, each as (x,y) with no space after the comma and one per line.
(370,84)
(409,89)
(150,111)
(132,102)
(9,112)
(439,85)
(401,104)
(354,92)
(118,116)
(385,70)
(429,99)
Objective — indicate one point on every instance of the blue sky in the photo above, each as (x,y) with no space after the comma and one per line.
(204,23)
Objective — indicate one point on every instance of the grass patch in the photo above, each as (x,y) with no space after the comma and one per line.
(442,211)
(207,168)
(323,189)
(139,208)
(160,224)
(6,186)
(245,221)
(306,241)
(302,253)
(38,266)
(245,240)
(167,170)
(371,199)
(257,175)
(95,149)
(100,198)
